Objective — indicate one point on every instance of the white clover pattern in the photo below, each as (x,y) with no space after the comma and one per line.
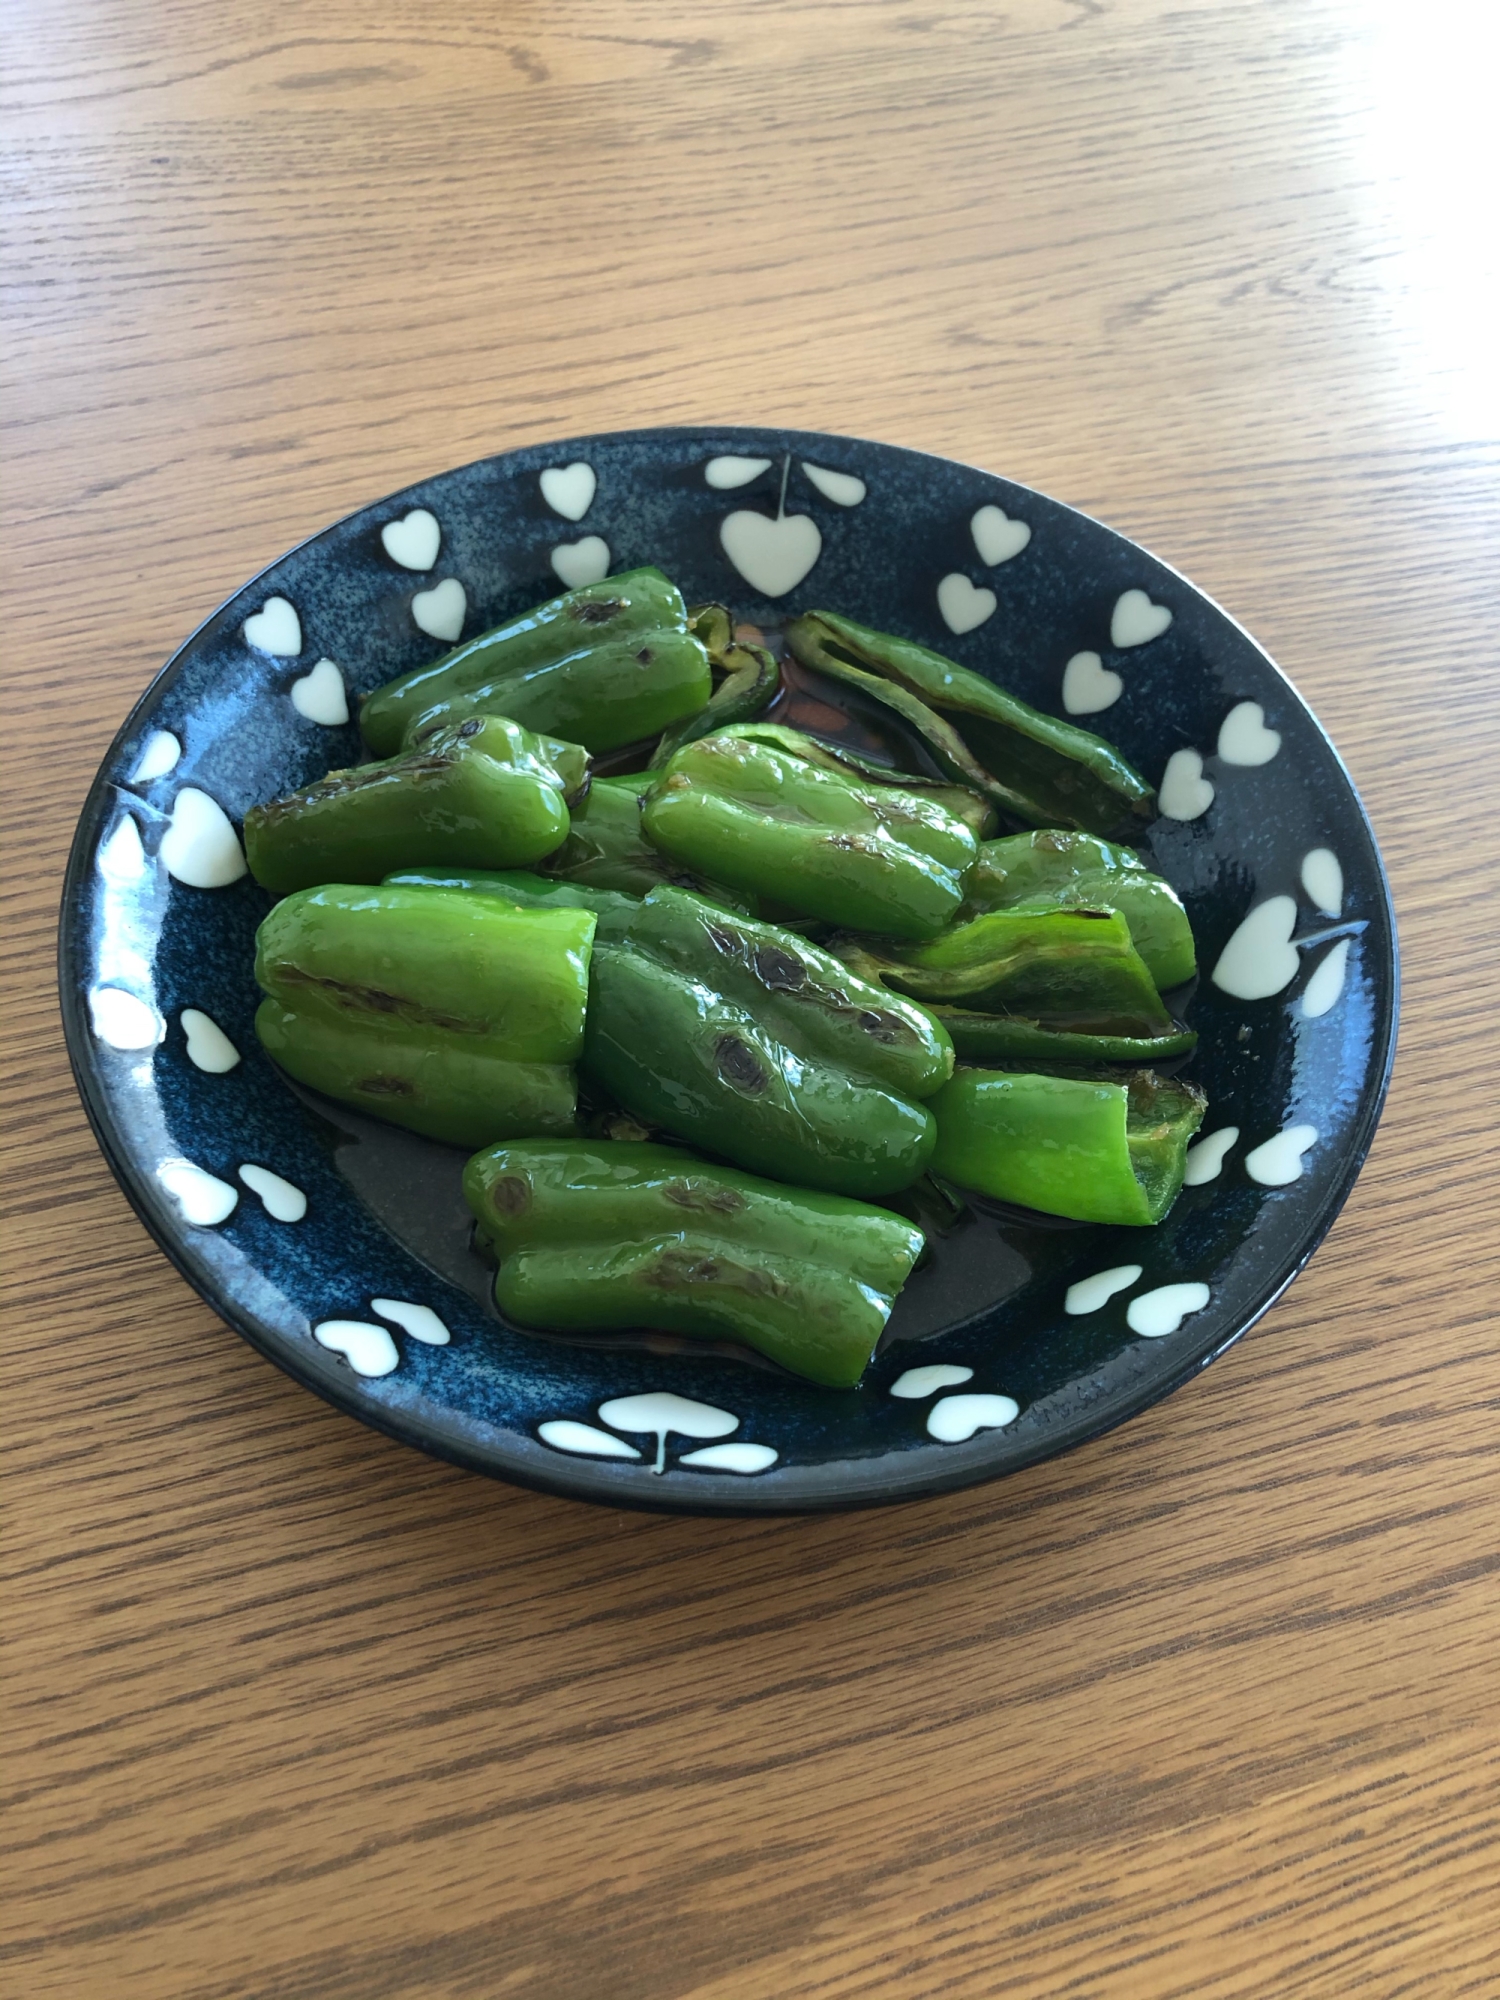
(660,1413)
(954,1419)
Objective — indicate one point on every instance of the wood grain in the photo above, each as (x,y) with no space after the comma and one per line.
(1208,1708)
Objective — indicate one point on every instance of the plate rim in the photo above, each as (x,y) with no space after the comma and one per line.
(955,1468)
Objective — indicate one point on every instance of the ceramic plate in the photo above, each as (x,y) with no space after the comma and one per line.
(340,1248)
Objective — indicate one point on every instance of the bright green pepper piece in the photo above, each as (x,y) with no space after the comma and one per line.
(519,886)
(1049,772)
(976,813)
(1019,1040)
(1094,1151)
(1059,870)
(756,816)
(603,666)
(594,1237)
(458,1016)
(752,677)
(485,793)
(744,1039)
(1075,971)
(606,848)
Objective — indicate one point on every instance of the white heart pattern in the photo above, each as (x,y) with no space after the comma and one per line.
(916,1383)
(1323,879)
(160,753)
(205,1200)
(1135,620)
(964,604)
(1088,686)
(1156,1314)
(842,488)
(421,1322)
(201,847)
(1322,991)
(569,489)
(955,1419)
(414,540)
(772,556)
(729,471)
(123,1020)
(741,1458)
(566,1434)
(997,537)
(208,1047)
(121,857)
(1089,1294)
(320,696)
(1278,1162)
(369,1350)
(1244,737)
(1205,1161)
(275,628)
(1184,792)
(440,611)
(578,563)
(1260,959)
(283,1202)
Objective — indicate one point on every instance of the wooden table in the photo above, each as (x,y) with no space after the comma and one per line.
(1209,1708)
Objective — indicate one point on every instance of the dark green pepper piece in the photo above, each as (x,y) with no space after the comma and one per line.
(1013,1039)
(606,848)
(976,813)
(595,1237)
(602,666)
(485,793)
(1049,772)
(1072,970)
(751,680)
(455,1015)
(754,815)
(1094,1151)
(1057,870)
(747,1041)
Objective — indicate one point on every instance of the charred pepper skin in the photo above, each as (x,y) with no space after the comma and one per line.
(773,823)
(485,792)
(1055,869)
(1091,1150)
(601,666)
(455,1015)
(606,849)
(1043,771)
(744,1040)
(594,1237)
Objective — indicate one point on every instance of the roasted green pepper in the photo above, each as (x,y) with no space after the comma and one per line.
(1056,870)
(976,813)
(747,1041)
(1075,972)
(602,666)
(1095,1151)
(596,1236)
(606,848)
(755,816)
(750,679)
(456,1015)
(485,793)
(1042,770)
(518,886)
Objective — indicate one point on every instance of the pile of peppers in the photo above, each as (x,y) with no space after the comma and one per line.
(706,996)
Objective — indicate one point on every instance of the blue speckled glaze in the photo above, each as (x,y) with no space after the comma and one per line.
(384,1216)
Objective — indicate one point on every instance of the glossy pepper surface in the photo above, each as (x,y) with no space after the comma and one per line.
(458,1016)
(976,813)
(749,677)
(1042,770)
(606,848)
(1061,870)
(762,819)
(519,886)
(485,792)
(601,666)
(597,1236)
(1072,973)
(743,1039)
(1092,1150)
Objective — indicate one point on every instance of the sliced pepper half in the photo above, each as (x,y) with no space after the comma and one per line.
(598,1236)
(1091,1150)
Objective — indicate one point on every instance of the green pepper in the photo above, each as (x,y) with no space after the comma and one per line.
(455,1015)
(594,1237)
(1008,1039)
(606,848)
(1073,970)
(976,813)
(1055,870)
(1091,1150)
(485,793)
(747,1041)
(755,816)
(1042,770)
(602,666)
